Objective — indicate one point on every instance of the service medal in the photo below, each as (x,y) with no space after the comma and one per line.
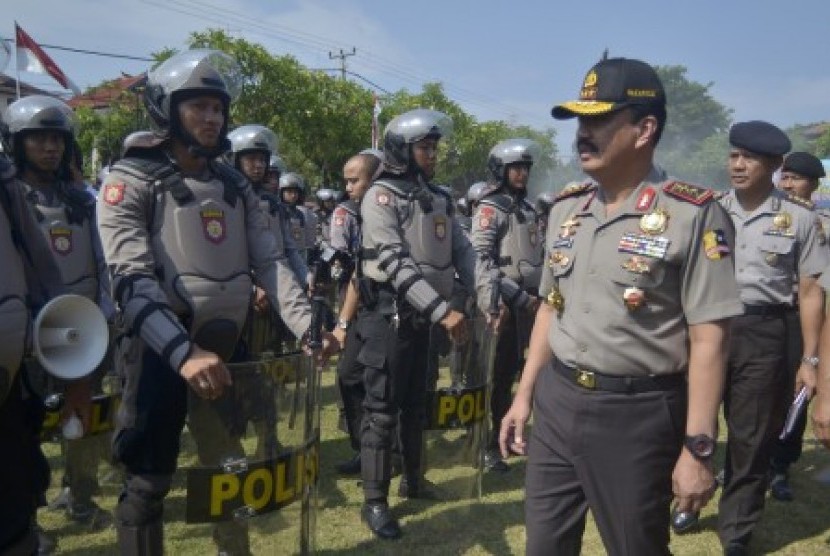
(782,221)
(634,298)
(568,227)
(771,259)
(556,300)
(637,264)
(655,222)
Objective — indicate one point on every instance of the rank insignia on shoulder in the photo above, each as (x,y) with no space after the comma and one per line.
(114,193)
(715,245)
(694,194)
(802,202)
(574,189)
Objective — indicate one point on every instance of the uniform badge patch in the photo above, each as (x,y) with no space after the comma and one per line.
(440,228)
(655,222)
(715,245)
(382,198)
(485,217)
(213,224)
(114,193)
(61,239)
(338,221)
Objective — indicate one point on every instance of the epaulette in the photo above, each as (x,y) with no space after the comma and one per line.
(810,205)
(694,194)
(573,189)
(498,199)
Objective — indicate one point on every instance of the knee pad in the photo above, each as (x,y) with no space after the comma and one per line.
(142,500)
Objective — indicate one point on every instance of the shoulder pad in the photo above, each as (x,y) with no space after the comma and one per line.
(694,194)
(150,167)
(274,205)
(349,206)
(401,188)
(574,189)
(229,174)
(498,199)
(78,198)
(803,202)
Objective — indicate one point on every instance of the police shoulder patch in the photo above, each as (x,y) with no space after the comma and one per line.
(694,194)
(114,193)
(573,189)
(802,202)
(382,196)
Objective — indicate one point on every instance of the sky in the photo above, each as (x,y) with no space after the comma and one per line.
(499,60)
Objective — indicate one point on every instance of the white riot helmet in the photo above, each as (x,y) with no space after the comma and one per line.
(511,151)
(38,113)
(252,138)
(408,128)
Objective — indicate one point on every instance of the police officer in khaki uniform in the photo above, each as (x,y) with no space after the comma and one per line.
(30,278)
(183,235)
(778,239)
(505,235)
(800,177)
(626,359)
(411,248)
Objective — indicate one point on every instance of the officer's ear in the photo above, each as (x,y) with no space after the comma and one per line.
(647,131)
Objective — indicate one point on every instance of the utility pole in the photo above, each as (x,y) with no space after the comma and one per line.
(342,57)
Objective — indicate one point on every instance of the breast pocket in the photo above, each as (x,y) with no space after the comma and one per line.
(778,252)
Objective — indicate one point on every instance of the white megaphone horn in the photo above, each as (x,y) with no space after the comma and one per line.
(70,337)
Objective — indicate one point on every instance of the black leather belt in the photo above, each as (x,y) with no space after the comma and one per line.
(591,380)
(767,310)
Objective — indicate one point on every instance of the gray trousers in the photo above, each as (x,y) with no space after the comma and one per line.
(612,453)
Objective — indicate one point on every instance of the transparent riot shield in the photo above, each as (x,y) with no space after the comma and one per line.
(458,410)
(249,462)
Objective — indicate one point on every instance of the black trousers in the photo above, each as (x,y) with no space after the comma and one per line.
(755,399)
(787,451)
(612,453)
(350,384)
(24,471)
(396,362)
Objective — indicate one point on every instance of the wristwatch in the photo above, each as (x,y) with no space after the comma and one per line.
(701,446)
(810,360)
(343,324)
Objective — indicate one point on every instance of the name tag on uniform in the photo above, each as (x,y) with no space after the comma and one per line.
(638,244)
(779,232)
(566,242)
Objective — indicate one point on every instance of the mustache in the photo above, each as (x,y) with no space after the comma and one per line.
(585,144)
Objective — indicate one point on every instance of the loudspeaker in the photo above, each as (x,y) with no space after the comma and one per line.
(70,337)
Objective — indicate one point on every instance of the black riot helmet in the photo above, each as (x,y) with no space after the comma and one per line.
(510,151)
(409,128)
(185,75)
(252,138)
(39,113)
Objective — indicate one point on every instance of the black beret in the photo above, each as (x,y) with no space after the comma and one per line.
(759,137)
(803,164)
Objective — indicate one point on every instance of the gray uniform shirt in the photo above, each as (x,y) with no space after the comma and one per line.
(777,243)
(128,211)
(666,254)
(344,234)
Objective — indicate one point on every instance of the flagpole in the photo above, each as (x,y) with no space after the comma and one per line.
(16,63)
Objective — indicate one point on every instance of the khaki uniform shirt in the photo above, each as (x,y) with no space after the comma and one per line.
(631,283)
(777,243)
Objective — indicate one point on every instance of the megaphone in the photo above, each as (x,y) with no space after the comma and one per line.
(70,337)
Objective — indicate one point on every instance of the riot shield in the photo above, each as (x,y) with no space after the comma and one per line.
(249,462)
(458,409)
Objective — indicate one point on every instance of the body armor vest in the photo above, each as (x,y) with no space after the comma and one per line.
(425,217)
(14,313)
(71,244)
(520,248)
(199,240)
(270,206)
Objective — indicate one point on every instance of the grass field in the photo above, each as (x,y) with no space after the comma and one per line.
(493,526)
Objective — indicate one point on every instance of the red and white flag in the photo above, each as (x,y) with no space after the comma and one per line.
(31,57)
(375,123)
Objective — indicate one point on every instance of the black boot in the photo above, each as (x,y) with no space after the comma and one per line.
(146,540)
(380,520)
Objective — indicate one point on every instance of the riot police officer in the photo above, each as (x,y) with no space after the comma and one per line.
(326,201)
(276,168)
(30,278)
(42,140)
(183,236)
(302,220)
(411,247)
(252,148)
(505,235)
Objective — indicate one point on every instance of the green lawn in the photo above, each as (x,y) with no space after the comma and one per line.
(493,526)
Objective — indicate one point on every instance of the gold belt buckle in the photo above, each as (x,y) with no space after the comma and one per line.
(586,379)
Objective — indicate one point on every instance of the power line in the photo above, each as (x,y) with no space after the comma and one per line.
(92,52)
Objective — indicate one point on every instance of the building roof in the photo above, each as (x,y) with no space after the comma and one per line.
(8,87)
(104,95)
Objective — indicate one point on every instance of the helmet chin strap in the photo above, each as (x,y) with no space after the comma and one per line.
(198,150)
